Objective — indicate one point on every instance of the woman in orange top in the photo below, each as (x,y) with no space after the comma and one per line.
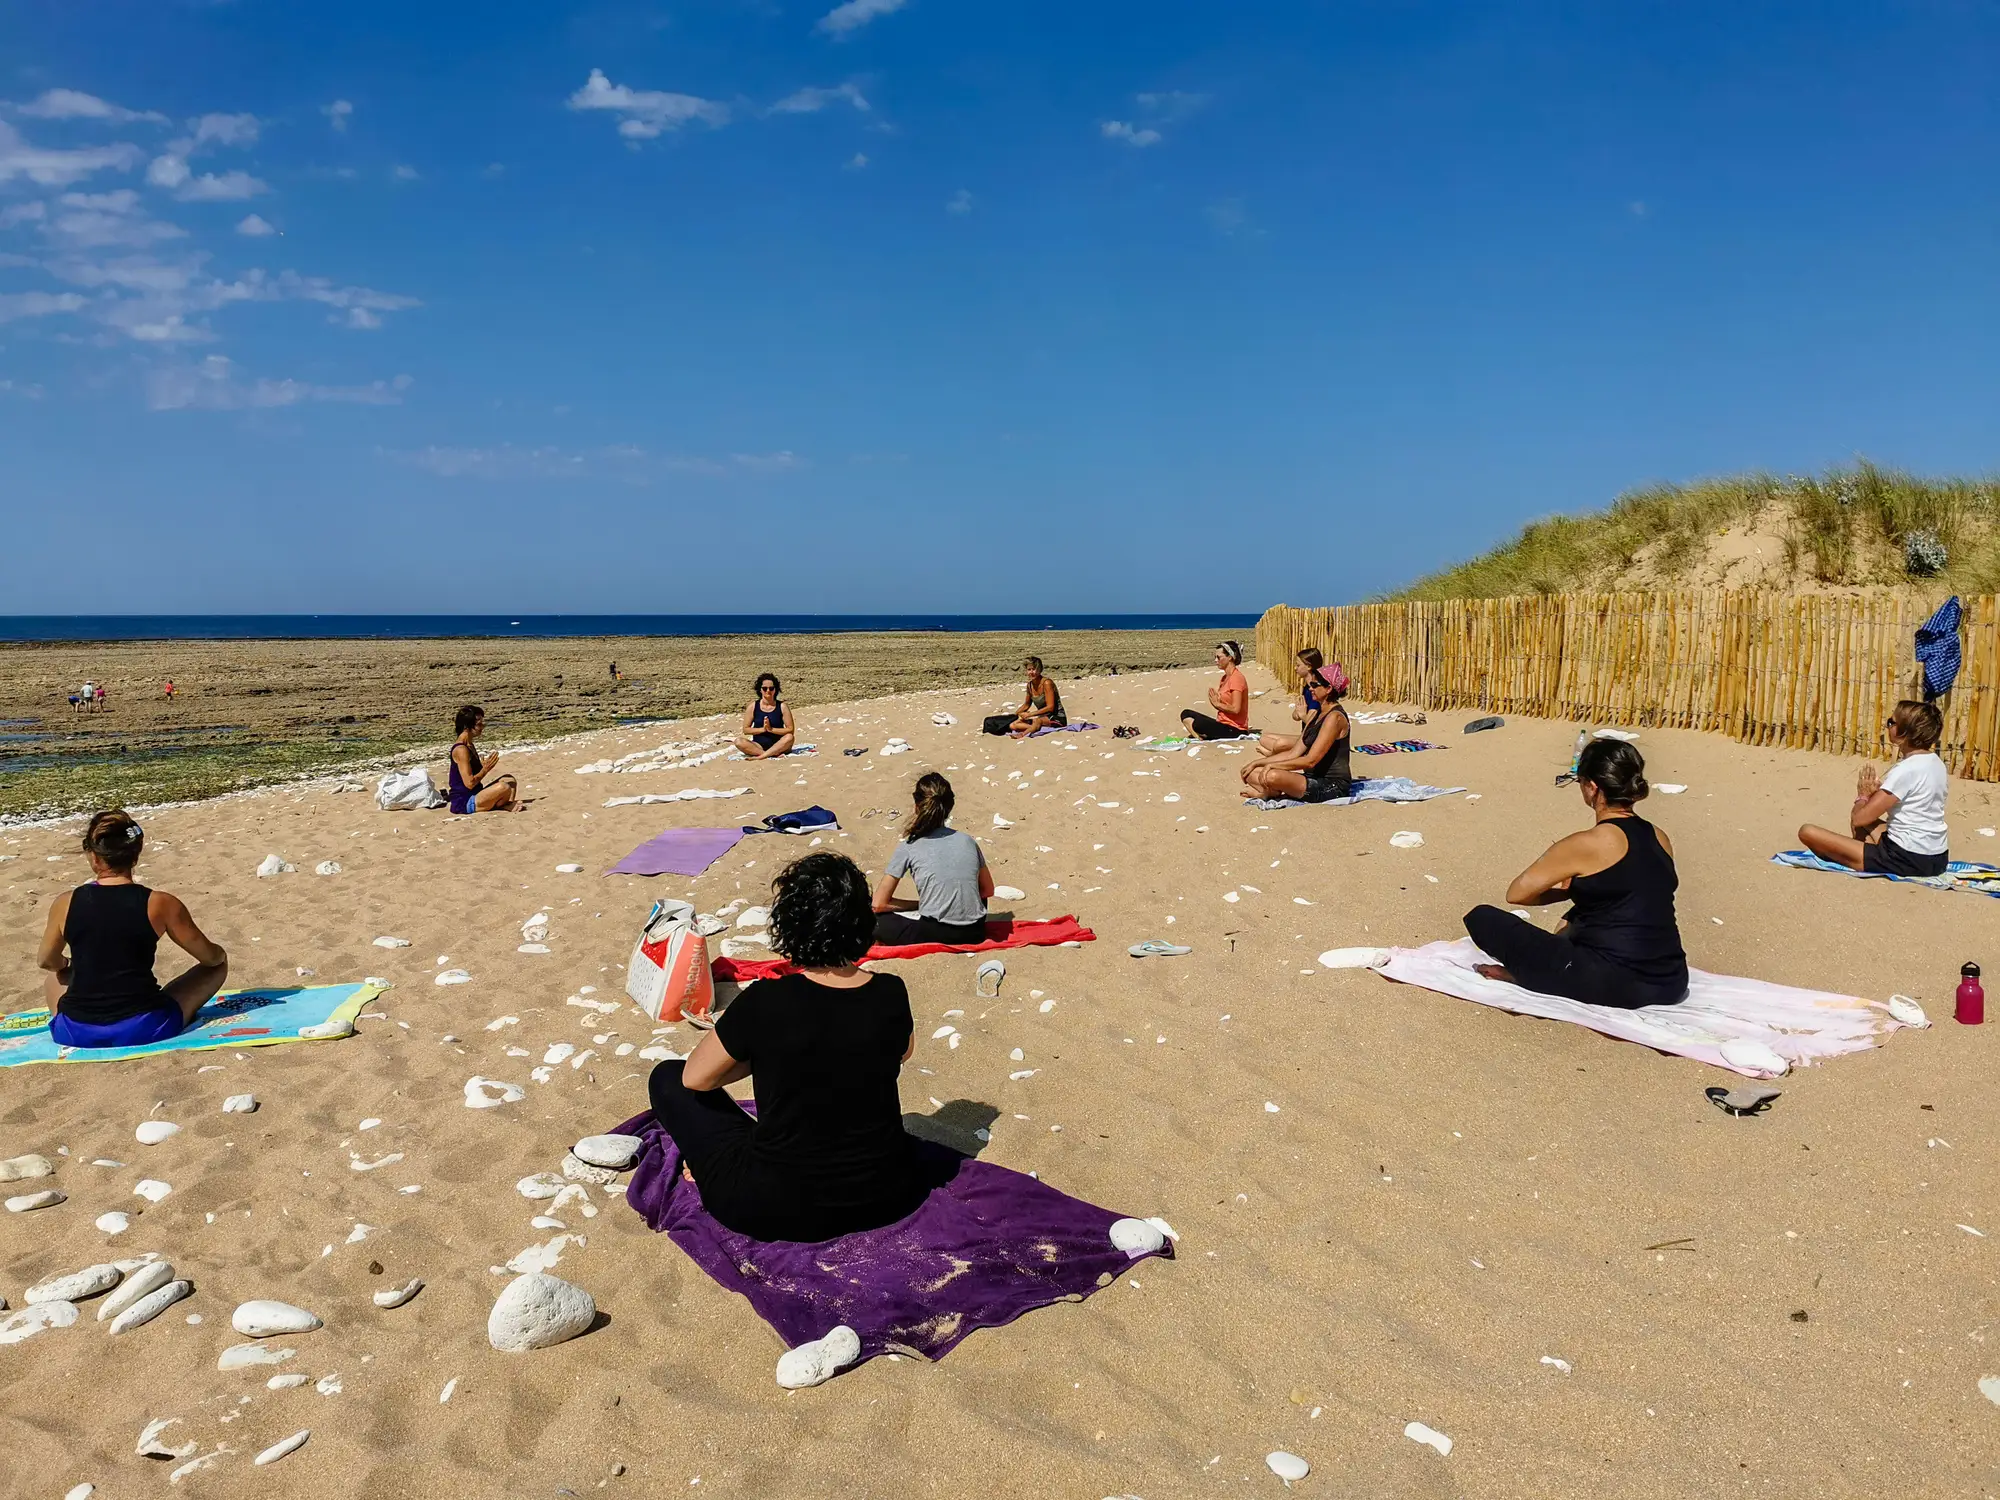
(1230,699)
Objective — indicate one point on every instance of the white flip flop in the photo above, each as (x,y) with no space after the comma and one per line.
(996,971)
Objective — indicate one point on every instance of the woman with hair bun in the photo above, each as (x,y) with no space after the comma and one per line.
(1620,945)
(103,993)
(826,1154)
(953,882)
(1230,698)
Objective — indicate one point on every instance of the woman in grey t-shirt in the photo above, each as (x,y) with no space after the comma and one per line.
(953,883)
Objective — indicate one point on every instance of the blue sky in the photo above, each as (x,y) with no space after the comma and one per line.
(727,305)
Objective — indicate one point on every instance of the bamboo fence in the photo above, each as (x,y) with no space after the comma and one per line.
(1814,672)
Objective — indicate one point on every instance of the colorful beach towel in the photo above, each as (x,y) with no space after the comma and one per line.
(1959,875)
(987,1245)
(1368,789)
(679,851)
(1000,933)
(1745,1025)
(1076,728)
(1166,744)
(795,750)
(1395,747)
(235,1018)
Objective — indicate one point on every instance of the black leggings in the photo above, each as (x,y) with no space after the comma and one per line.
(745,1194)
(1550,964)
(1202,727)
(897,929)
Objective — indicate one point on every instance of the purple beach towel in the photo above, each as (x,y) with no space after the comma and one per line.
(679,851)
(986,1246)
(1077,728)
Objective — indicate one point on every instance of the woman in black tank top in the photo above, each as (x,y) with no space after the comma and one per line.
(1318,770)
(1621,944)
(101,992)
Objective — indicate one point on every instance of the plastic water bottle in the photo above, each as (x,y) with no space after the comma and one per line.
(1576,754)
(1971,1007)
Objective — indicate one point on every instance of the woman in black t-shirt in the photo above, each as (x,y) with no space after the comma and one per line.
(826,1153)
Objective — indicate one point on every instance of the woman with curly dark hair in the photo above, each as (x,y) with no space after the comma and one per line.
(826,1154)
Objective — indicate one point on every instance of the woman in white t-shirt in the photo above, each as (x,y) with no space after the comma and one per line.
(1898,819)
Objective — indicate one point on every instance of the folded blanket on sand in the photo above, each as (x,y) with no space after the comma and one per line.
(1076,728)
(986,1246)
(1745,1025)
(1395,747)
(1000,933)
(679,851)
(814,819)
(1959,875)
(1370,789)
(235,1018)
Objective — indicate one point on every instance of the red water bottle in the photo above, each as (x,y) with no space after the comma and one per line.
(1971,1007)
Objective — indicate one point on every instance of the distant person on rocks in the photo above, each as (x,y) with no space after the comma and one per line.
(768,729)
(1620,945)
(1896,826)
(1230,699)
(1318,770)
(99,945)
(470,782)
(170,690)
(953,882)
(826,1154)
(1270,742)
(1041,706)
(90,696)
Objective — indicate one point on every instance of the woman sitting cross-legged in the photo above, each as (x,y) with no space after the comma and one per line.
(470,785)
(953,882)
(1041,706)
(1271,742)
(104,993)
(1230,698)
(826,1154)
(768,729)
(1620,945)
(1318,770)
(1896,826)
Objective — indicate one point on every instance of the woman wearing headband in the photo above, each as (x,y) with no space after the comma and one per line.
(1318,770)
(1230,698)
(103,993)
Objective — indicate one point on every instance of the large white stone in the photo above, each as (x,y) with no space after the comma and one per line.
(540,1185)
(21,1168)
(140,1281)
(151,1306)
(1287,1466)
(478,1097)
(263,1318)
(578,1170)
(819,1360)
(279,1449)
(30,1321)
(240,1104)
(152,1132)
(114,1222)
(537,1310)
(614,1151)
(75,1286)
(29,1202)
(1136,1237)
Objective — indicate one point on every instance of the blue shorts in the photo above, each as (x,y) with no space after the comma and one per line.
(471,806)
(134,1031)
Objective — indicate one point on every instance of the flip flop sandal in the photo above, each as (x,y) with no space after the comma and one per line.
(1154,948)
(1741,1101)
(994,970)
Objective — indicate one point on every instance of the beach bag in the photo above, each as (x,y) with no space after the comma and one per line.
(668,974)
(997,724)
(407,791)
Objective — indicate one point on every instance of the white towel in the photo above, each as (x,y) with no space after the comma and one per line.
(1745,1025)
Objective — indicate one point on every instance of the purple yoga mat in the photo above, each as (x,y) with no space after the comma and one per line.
(985,1247)
(679,851)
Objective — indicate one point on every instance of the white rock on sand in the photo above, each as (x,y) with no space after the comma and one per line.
(616,1152)
(29,1202)
(113,1222)
(274,865)
(30,1321)
(151,1306)
(75,1286)
(22,1168)
(1287,1466)
(397,1296)
(150,1190)
(284,1446)
(152,1132)
(477,1095)
(537,1310)
(240,1104)
(1136,1237)
(242,1356)
(141,1281)
(150,1443)
(577,1170)
(262,1318)
(818,1361)
(392,942)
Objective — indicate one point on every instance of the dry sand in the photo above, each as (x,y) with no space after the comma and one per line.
(1445,1196)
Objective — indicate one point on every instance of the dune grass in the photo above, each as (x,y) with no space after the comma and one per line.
(1855,526)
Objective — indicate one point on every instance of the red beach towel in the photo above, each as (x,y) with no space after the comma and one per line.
(1000,934)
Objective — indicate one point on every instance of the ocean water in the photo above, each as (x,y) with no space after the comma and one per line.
(32,628)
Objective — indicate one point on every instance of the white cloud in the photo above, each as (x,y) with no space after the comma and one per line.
(1229,217)
(36,304)
(1132,135)
(69,104)
(857,161)
(812,101)
(212,385)
(645,113)
(337,113)
(47,167)
(91,221)
(224,130)
(228,187)
(1171,105)
(405,173)
(256,226)
(959,202)
(167,171)
(624,463)
(29,392)
(855,14)
(781,462)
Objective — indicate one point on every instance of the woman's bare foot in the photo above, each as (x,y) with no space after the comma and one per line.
(1494,971)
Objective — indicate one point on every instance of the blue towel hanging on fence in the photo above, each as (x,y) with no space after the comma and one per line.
(1937,648)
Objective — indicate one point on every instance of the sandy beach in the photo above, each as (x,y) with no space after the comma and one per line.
(1391,1206)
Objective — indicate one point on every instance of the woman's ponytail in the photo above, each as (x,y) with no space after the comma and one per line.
(934,801)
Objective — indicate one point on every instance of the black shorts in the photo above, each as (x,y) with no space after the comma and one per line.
(763,739)
(1204,727)
(1890,858)
(1327,789)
